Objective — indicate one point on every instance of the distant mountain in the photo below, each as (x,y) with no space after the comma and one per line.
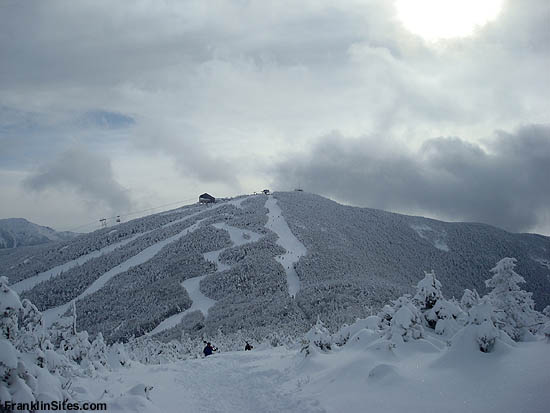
(263,265)
(18,232)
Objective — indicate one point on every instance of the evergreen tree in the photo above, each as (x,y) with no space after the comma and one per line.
(514,307)
(406,323)
(482,318)
(317,338)
(428,291)
(469,299)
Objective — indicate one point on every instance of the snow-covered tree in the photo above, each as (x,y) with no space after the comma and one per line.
(9,310)
(97,353)
(318,337)
(437,312)
(22,360)
(546,331)
(32,332)
(514,307)
(428,291)
(406,322)
(446,314)
(482,318)
(469,299)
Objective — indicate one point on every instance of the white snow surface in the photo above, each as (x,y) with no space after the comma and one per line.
(435,237)
(238,236)
(200,302)
(31,282)
(238,201)
(294,248)
(415,377)
(53,314)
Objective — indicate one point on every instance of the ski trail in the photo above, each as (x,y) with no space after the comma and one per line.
(238,236)
(294,248)
(237,202)
(52,314)
(200,302)
(244,382)
(31,282)
(194,214)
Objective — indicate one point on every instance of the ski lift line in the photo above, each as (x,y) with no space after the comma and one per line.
(150,209)
(128,214)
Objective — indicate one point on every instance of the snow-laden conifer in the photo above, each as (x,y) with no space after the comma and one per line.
(428,291)
(406,323)
(482,319)
(317,338)
(514,307)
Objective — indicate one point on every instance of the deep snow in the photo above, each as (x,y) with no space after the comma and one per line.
(416,377)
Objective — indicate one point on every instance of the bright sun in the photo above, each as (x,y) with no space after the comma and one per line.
(439,19)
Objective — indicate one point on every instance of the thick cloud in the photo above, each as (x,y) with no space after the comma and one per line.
(505,184)
(87,173)
(220,89)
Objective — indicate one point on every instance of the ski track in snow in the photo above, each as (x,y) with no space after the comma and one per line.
(200,302)
(294,248)
(414,377)
(244,382)
(31,282)
(52,314)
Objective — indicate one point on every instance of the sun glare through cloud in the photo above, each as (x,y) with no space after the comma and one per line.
(441,19)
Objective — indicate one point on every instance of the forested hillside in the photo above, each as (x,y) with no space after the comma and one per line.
(232,267)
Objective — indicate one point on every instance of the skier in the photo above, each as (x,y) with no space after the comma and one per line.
(248,346)
(208,350)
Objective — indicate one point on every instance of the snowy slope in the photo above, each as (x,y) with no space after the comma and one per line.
(200,302)
(351,379)
(237,261)
(286,239)
(18,232)
(359,256)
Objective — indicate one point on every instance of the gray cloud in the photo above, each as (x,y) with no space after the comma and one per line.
(87,173)
(505,184)
(219,91)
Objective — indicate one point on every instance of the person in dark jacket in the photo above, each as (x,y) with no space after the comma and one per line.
(209,349)
(248,346)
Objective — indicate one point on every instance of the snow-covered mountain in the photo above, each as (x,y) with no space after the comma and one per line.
(264,265)
(18,232)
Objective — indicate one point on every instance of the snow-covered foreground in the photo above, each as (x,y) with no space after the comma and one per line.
(294,248)
(416,377)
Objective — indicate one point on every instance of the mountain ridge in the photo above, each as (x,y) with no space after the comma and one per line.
(355,260)
(19,232)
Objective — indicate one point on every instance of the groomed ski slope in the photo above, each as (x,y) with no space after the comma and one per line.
(417,378)
(294,248)
(200,302)
(31,282)
(53,314)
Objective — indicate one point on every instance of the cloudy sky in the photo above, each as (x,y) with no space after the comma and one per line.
(431,107)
